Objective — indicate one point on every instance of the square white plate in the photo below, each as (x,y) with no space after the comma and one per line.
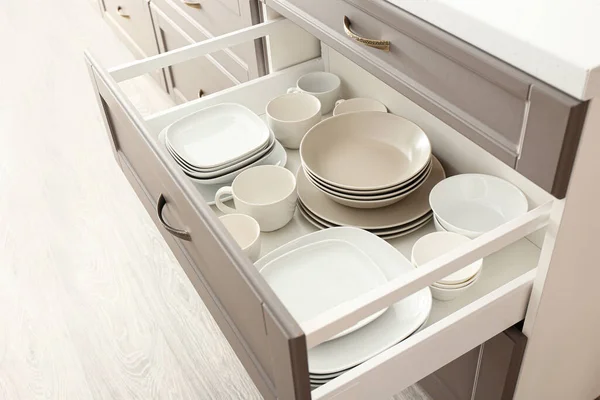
(217,135)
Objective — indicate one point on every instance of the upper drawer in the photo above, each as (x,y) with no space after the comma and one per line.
(133,17)
(494,110)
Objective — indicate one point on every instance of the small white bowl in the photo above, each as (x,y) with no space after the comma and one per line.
(246,232)
(434,245)
(447,294)
(458,285)
(472,204)
(438,226)
(357,104)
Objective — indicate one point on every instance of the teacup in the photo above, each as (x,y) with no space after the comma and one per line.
(291,115)
(246,232)
(267,193)
(357,104)
(325,86)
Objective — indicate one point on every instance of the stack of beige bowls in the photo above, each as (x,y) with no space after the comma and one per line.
(366,159)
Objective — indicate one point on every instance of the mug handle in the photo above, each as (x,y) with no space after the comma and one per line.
(294,90)
(225,190)
(340,101)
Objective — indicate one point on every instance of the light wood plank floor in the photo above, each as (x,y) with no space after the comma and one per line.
(93,304)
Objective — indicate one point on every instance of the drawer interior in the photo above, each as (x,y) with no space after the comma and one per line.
(500,296)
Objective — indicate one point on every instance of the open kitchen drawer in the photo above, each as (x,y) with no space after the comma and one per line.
(269,342)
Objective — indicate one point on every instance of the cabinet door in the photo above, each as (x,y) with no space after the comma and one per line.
(191,79)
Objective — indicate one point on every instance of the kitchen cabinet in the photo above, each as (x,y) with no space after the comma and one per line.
(519,255)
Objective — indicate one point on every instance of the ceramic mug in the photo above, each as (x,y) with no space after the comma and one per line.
(245,231)
(325,86)
(357,104)
(267,193)
(291,115)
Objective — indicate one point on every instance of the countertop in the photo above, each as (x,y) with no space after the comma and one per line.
(557,41)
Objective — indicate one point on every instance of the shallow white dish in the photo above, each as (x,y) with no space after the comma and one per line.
(317,277)
(367,150)
(393,326)
(436,244)
(471,204)
(217,135)
(208,192)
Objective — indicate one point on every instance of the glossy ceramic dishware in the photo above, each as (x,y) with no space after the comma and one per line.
(409,209)
(435,244)
(358,104)
(217,135)
(458,285)
(267,193)
(472,204)
(325,86)
(291,115)
(245,231)
(344,151)
(442,294)
(317,277)
(397,323)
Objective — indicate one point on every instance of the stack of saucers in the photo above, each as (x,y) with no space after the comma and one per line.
(215,144)
(366,159)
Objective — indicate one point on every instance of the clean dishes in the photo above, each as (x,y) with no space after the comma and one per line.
(245,231)
(397,215)
(472,204)
(357,104)
(396,324)
(208,191)
(344,151)
(325,86)
(291,115)
(434,245)
(317,277)
(217,135)
(267,193)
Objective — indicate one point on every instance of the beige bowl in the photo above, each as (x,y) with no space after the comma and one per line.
(367,150)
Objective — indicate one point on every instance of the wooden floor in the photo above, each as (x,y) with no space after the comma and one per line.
(93,304)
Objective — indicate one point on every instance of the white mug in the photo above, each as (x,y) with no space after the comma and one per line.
(245,231)
(325,86)
(291,115)
(357,104)
(267,193)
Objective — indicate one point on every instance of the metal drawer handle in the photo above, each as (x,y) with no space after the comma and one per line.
(200,93)
(192,3)
(122,12)
(376,43)
(181,234)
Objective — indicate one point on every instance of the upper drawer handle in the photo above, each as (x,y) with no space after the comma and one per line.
(122,12)
(192,3)
(376,43)
(181,234)
(200,93)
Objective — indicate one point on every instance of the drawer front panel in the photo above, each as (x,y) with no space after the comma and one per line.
(191,79)
(260,330)
(496,112)
(213,18)
(133,17)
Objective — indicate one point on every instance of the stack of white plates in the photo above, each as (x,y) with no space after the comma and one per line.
(215,144)
(366,159)
(389,222)
(323,269)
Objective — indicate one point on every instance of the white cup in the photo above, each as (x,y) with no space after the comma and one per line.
(357,104)
(325,86)
(267,193)
(246,232)
(291,115)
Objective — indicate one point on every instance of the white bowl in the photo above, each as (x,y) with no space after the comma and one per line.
(358,104)
(246,232)
(458,285)
(472,204)
(438,226)
(448,294)
(434,245)
(367,150)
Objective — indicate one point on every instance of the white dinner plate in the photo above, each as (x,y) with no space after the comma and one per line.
(217,135)
(208,192)
(396,324)
(315,278)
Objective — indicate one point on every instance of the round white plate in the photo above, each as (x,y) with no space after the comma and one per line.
(208,192)
(409,209)
(317,277)
(217,135)
(393,326)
